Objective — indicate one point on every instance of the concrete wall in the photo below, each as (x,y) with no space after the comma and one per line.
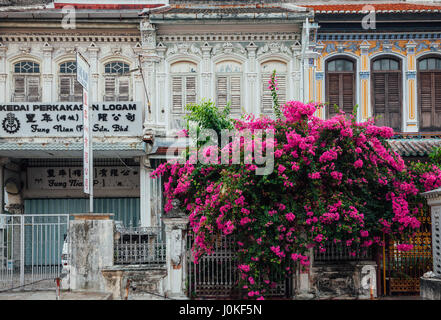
(343,280)
(430,288)
(135,282)
(91,244)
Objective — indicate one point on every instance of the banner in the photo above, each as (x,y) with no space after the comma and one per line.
(66,178)
(65,119)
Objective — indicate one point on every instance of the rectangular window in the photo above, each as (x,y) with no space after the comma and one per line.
(267,99)
(228,89)
(117,88)
(183,92)
(70,89)
(26,88)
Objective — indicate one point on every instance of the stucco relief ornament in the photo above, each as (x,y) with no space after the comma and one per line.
(148,33)
(274,47)
(176,250)
(228,48)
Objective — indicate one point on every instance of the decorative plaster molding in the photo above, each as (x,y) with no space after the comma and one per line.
(232,37)
(228,48)
(274,47)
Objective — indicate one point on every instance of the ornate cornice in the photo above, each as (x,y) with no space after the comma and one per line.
(70,38)
(232,37)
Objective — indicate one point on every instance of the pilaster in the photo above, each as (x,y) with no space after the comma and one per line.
(410,117)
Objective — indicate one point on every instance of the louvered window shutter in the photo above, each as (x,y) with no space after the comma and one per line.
(393,100)
(386,80)
(19,89)
(65,88)
(109,90)
(33,88)
(123,89)
(347,103)
(222,91)
(430,100)
(333,90)
(235,94)
(437,100)
(78,91)
(281,93)
(379,88)
(177,94)
(267,100)
(190,93)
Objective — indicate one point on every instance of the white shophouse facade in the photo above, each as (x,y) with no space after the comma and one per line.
(185,56)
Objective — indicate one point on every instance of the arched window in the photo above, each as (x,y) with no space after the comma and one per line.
(267,69)
(68,87)
(26,82)
(386,92)
(340,85)
(116,81)
(228,85)
(429,93)
(183,89)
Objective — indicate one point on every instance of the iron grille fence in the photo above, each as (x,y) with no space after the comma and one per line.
(216,275)
(340,252)
(31,246)
(139,245)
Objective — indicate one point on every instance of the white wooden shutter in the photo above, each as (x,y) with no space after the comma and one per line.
(190,92)
(281,84)
(65,88)
(33,88)
(77,91)
(19,89)
(109,90)
(267,99)
(235,94)
(177,94)
(222,91)
(123,89)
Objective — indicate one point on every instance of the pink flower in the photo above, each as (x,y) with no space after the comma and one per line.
(358,163)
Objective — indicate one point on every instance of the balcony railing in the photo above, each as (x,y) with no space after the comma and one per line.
(139,246)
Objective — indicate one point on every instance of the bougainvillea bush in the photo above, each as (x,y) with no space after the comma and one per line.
(334,180)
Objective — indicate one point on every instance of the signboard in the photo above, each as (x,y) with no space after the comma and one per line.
(87,143)
(68,178)
(82,71)
(64,119)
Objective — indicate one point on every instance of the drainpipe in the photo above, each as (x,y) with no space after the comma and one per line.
(3,161)
(2,190)
(304,45)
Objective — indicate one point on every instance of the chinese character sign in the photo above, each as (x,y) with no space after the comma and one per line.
(66,178)
(87,143)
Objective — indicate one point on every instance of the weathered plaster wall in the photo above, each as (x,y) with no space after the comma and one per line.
(91,244)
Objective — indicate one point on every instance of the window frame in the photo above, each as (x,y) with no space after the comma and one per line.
(341,73)
(72,76)
(184,76)
(419,88)
(264,84)
(26,78)
(229,75)
(399,71)
(117,77)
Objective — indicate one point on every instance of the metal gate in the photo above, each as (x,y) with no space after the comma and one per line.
(217,276)
(404,269)
(30,250)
